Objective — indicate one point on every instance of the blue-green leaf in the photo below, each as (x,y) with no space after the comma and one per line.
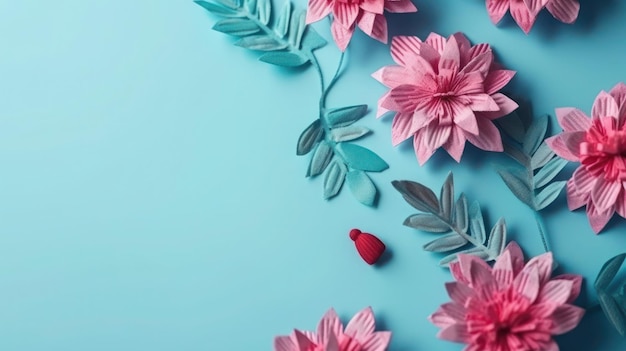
(497,238)
(360,158)
(348,133)
(236,26)
(549,171)
(309,137)
(608,272)
(362,187)
(461,216)
(320,160)
(446,198)
(542,156)
(312,40)
(417,195)
(513,126)
(218,9)
(445,243)
(427,222)
(251,6)
(345,116)
(516,153)
(264,8)
(261,43)
(297,27)
(477,223)
(282,23)
(518,185)
(548,195)
(284,59)
(535,134)
(475,251)
(334,178)
(613,312)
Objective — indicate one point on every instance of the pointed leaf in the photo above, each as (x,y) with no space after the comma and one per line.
(497,238)
(348,133)
(312,40)
(516,154)
(251,6)
(260,43)
(518,185)
(417,195)
(612,311)
(446,199)
(218,9)
(362,187)
(549,171)
(477,224)
(229,3)
(535,134)
(284,59)
(345,116)
(548,195)
(282,23)
(513,126)
(264,8)
(608,271)
(461,217)
(320,160)
(236,26)
(360,158)
(427,222)
(309,137)
(480,253)
(297,27)
(543,154)
(445,243)
(334,178)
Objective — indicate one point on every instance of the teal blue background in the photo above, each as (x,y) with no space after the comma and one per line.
(151,198)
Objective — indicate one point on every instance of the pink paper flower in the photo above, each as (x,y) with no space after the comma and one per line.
(347,14)
(445,91)
(599,144)
(525,12)
(359,335)
(510,307)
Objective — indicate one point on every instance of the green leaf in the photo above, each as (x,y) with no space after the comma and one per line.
(518,185)
(260,42)
(312,40)
(548,195)
(477,223)
(461,217)
(360,158)
(218,9)
(497,238)
(251,6)
(264,8)
(320,160)
(475,251)
(297,27)
(516,154)
(446,198)
(348,133)
(334,178)
(417,195)
(362,187)
(541,156)
(612,311)
(309,138)
(236,26)
(608,272)
(282,23)
(284,59)
(445,243)
(549,171)
(345,116)
(535,134)
(427,222)
(513,126)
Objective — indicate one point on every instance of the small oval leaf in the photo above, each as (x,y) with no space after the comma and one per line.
(518,185)
(309,138)
(548,195)
(461,217)
(282,23)
(345,116)
(236,26)
(264,9)
(361,158)
(549,171)
(445,243)
(362,187)
(446,198)
(284,59)
(334,178)
(417,195)
(477,224)
(260,43)
(348,133)
(608,271)
(427,222)
(535,134)
(497,238)
(320,160)
(612,311)
(543,154)
(312,40)
(218,9)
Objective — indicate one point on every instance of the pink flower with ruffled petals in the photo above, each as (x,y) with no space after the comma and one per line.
(347,14)
(444,92)
(599,144)
(525,12)
(359,335)
(510,307)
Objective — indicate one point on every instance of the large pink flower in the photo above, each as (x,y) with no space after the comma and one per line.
(525,12)
(445,91)
(599,144)
(366,14)
(510,307)
(359,335)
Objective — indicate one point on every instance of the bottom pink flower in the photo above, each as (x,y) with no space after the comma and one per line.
(359,335)
(510,307)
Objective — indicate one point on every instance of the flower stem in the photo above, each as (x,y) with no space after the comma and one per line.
(542,231)
(333,80)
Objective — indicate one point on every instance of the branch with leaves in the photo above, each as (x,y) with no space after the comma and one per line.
(288,42)
(612,299)
(461,228)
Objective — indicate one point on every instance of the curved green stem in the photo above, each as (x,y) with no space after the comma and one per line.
(542,231)
(318,68)
(333,80)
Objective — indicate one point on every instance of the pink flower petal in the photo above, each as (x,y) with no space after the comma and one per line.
(544,264)
(478,49)
(455,144)
(480,276)
(379,29)
(566,318)
(489,137)
(618,92)
(401,6)
(401,127)
(620,205)
(480,63)
(535,5)
(404,50)
(454,310)
(437,42)
(522,15)
(575,200)
(555,291)
(604,106)
(605,193)
(577,282)
(482,103)
(464,118)
(302,341)
(597,219)
(329,324)
(572,119)
(435,135)
(517,256)
(497,80)
(381,110)
(457,272)
(583,180)
(459,292)
(373,6)
(404,98)
(317,10)
(284,343)
(506,104)
(361,325)
(345,13)
(557,145)
(565,11)
(497,9)
(503,270)
(393,76)
(441,319)
(331,344)
(422,151)
(455,333)
(451,56)
(378,341)
(341,35)
(527,282)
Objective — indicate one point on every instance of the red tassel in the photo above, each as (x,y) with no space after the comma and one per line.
(369,247)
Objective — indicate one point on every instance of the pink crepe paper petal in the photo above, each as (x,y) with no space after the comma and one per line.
(482,103)
(284,343)
(402,6)
(557,145)
(598,220)
(455,144)
(403,98)
(503,269)
(435,136)
(459,292)
(605,193)
(572,119)
(583,180)
(478,49)
(331,344)
(517,256)
(466,262)
(457,273)
(373,6)
(604,106)
(302,341)
(341,35)
(404,48)
(575,200)
(345,13)
(374,25)
(422,151)
(535,5)
(480,63)
(577,282)
(527,282)
(401,128)
(506,105)
(393,76)
(497,79)
(497,9)
(441,319)
(618,92)
(571,142)
(555,291)
(566,318)
(565,11)
(454,310)
(437,42)
(522,15)
(451,56)
(454,333)
(464,118)
(620,205)
(361,325)
(544,264)
(378,341)
(317,10)
(329,324)
(489,137)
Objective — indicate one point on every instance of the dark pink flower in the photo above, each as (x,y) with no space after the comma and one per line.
(347,14)
(599,144)
(525,12)
(444,92)
(510,307)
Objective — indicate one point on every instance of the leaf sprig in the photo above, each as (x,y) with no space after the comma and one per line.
(328,139)
(286,41)
(532,183)
(612,301)
(461,227)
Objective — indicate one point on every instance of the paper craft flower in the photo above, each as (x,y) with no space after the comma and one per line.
(445,91)
(347,14)
(358,335)
(599,144)
(512,306)
(525,12)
